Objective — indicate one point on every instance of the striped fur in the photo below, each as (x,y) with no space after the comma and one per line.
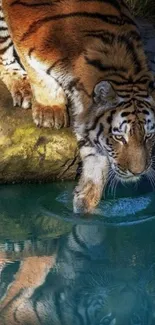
(87,55)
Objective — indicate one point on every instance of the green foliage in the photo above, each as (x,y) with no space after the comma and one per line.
(142,8)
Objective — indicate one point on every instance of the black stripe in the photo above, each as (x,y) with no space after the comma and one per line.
(128,91)
(95,122)
(80,87)
(106,37)
(153,126)
(6,48)
(110,117)
(127,104)
(101,128)
(4,39)
(141,95)
(4,28)
(18,59)
(99,65)
(16,297)
(120,83)
(109,38)
(129,82)
(124,95)
(111,77)
(84,143)
(146,104)
(81,143)
(125,114)
(134,34)
(72,84)
(98,146)
(37,294)
(151,109)
(111,19)
(8,276)
(11,63)
(24,4)
(145,112)
(56,63)
(31,50)
(77,239)
(115,129)
(90,155)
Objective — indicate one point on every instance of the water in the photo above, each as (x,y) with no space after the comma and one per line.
(60,268)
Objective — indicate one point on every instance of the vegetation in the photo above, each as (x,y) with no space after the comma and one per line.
(142,8)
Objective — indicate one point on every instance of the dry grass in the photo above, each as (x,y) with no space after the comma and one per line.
(142,8)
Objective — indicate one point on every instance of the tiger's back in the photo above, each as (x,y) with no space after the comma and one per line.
(98,38)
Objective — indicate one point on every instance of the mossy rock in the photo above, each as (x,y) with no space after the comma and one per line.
(31,153)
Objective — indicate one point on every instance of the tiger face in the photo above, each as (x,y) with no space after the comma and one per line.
(125,133)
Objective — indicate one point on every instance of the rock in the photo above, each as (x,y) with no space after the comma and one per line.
(28,153)
(32,154)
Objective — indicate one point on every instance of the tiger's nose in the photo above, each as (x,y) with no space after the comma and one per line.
(137,171)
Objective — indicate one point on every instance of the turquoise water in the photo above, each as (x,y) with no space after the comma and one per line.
(60,268)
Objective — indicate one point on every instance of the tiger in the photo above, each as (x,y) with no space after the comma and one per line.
(74,280)
(86,66)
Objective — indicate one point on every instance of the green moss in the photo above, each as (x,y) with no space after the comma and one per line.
(28,152)
(22,132)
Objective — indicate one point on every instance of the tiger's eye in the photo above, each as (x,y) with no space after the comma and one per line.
(149,136)
(119,138)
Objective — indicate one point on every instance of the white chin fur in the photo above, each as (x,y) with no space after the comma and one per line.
(128,179)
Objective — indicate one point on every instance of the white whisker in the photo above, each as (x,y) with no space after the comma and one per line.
(151,177)
(113,186)
(111,177)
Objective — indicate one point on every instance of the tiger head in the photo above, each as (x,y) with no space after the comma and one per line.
(123,130)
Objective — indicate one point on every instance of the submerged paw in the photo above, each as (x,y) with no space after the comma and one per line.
(86,197)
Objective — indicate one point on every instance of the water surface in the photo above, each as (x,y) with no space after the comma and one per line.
(60,268)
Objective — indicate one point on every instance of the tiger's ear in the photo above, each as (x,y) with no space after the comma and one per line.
(104,94)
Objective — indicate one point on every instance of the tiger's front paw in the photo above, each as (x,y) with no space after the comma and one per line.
(50,116)
(21,92)
(86,197)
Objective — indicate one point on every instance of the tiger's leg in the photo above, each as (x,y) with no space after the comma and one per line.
(92,181)
(49,99)
(11,72)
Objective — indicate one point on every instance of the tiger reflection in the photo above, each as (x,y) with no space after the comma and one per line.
(70,281)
